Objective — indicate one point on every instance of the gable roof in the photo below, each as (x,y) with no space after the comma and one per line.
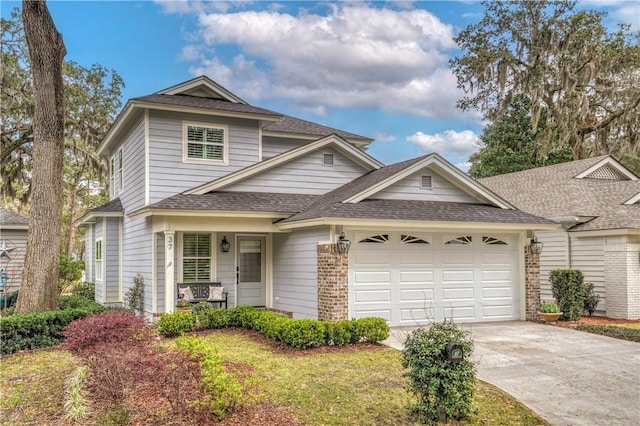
(11,220)
(335,141)
(202,95)
(564,191)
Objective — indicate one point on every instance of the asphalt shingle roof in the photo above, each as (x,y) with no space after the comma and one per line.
(284,123)
(113,206)
(237,201)
(553,192)
(10,218)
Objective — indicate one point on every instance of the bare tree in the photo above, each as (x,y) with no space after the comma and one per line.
(39,289)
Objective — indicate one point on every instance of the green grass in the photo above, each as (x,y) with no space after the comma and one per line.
(359,387)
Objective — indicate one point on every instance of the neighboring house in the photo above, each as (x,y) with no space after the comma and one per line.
(597,201)
(13,244)
(194,166)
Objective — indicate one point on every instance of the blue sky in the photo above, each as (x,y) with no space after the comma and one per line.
(378,69)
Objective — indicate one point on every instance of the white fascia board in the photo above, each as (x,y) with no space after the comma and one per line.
(605,232)
(633,200)
(202,81)
(613,163)
(17,226)
(115,128)
(146,212)
(339,143)
(449,172)
(416,224)
(90,218)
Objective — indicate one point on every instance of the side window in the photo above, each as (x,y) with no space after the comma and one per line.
(120,171)
(99,259)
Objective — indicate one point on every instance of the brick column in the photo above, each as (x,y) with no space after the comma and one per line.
(531,284)
(333,283)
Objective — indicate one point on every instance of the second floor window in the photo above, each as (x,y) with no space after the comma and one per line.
(205,142)
(120,173)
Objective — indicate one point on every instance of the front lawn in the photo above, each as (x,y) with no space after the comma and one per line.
(352,385)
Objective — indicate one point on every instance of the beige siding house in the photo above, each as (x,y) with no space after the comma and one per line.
(208,189)
(597,202)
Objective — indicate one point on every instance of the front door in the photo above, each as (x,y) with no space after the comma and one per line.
(250,271)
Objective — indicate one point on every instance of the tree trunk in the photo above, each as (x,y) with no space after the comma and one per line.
(39,289)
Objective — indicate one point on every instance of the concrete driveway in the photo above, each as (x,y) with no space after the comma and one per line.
(566,376)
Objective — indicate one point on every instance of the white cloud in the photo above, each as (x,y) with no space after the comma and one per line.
(450,143)
(384,137)
(355,56)
(463,166)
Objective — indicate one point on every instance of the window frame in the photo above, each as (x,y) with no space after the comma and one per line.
(112,175)
(212,257)
(120,170)
(185,143)
(99,250)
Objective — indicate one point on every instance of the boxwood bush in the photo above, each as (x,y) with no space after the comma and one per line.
(299,333)
(612,331)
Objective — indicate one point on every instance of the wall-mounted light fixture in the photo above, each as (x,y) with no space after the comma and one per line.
(225,245)
(535,246)
(343,244)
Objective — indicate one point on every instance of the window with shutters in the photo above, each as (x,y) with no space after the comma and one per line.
(196,257)
(205,142)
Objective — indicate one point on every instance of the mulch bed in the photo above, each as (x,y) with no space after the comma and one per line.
(595,321)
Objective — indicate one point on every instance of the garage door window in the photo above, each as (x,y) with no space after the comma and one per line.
(379,239)
(410,239)
(460,240)
(494,241)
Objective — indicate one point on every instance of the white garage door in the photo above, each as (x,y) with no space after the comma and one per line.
(412,278)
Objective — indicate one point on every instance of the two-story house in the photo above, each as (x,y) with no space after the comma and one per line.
(205,187)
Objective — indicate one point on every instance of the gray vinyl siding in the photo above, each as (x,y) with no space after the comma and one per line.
(225,267)
(304,175)
(409,189)
(554,256)
(112,258)
(295,271)
(99,233)
(168,175)
(132,197)
(137,256)
(587,255)
(17,239)
(160,273)
(274,146)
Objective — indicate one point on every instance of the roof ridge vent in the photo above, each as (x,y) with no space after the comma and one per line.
(607,172)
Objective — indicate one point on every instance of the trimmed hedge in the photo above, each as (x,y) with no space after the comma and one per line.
(39,329)
(612,331)
(300,333)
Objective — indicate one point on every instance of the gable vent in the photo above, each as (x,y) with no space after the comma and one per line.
(606,172)
(327,159)
(425,182)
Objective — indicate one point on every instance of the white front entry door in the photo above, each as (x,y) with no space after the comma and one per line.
(411,278)
(250,270)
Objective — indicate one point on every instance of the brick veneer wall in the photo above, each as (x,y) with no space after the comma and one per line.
(333,283)
(532,284)
(622,275)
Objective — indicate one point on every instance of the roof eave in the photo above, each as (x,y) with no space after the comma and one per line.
(148,212)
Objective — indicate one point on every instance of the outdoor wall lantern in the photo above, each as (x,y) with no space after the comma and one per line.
(343,244)
(225,245)
(454,352)
(535,246)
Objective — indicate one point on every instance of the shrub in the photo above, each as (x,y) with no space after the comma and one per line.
(443,389)
(612,331)
(134,297)
(338,332)
(176,323)
(115,328)
(70,272)
(36,330)
(303,333)
(591,299)
(221,391)
(217,318)
(372,329)
(573,295)
(274,328)
(242,316)
(80,302)
(85,289)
